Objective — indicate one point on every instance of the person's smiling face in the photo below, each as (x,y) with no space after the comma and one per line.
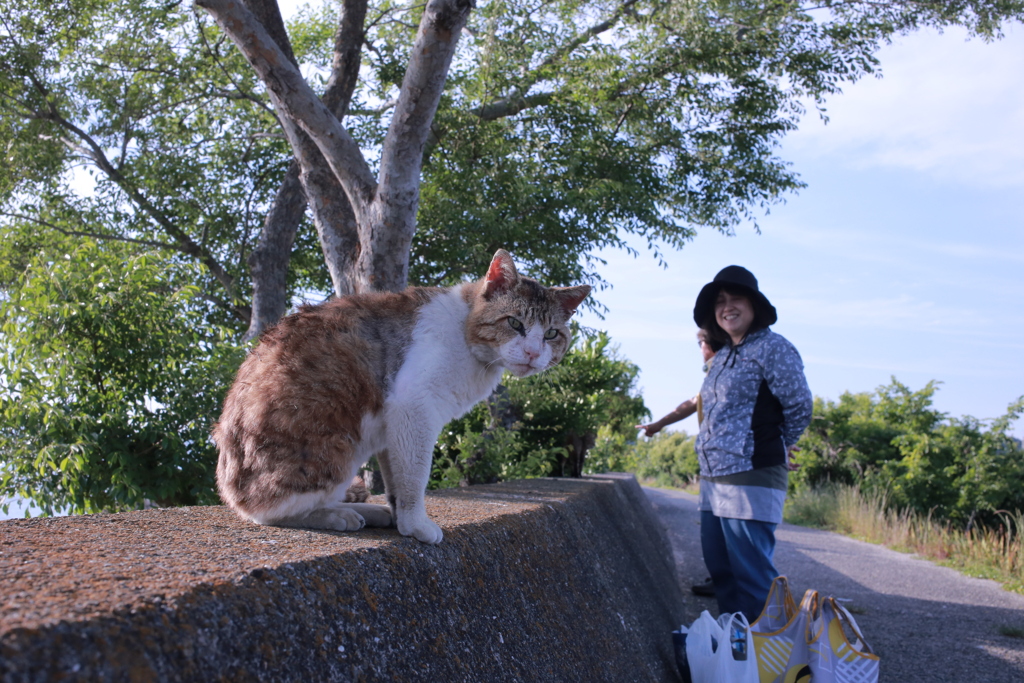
(735,314)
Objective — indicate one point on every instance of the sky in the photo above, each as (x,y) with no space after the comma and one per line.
(904,256)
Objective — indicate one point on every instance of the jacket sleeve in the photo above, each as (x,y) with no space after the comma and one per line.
(784,371)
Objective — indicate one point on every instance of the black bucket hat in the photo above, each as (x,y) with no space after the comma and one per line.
(735,277)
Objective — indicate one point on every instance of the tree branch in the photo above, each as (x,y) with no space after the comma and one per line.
(384,261)
(293,97)
(94,235)
(309,180)
(185,243)
(348,50)
(510,106)
(94,152)
(579,40)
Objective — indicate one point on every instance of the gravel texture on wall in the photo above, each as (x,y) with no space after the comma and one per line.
(536,580)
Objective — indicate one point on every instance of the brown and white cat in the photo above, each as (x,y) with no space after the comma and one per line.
(376,374)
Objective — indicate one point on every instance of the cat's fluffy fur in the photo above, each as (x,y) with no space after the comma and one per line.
(376,374)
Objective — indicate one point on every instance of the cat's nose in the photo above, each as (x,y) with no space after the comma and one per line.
(531,354)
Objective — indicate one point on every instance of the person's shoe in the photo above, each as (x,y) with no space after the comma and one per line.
(706,589)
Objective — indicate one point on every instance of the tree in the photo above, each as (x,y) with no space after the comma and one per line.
(894,443)
(560,128)
(551,129)
(380,220)
(106,385)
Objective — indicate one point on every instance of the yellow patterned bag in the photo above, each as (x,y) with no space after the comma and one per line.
(780,636)
(838,651)
(810,644)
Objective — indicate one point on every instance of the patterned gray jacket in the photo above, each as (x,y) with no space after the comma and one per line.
(756,405)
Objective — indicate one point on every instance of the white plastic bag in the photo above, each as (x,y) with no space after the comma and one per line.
(701,642)
(721,651)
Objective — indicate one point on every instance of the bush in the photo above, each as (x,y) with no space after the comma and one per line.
(547,424)
(893,444)
(667,459)
(109,384)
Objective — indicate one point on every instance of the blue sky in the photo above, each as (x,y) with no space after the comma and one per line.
(904,255)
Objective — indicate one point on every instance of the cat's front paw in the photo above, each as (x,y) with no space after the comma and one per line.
(422,530)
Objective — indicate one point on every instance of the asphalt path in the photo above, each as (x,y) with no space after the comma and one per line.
(927,623)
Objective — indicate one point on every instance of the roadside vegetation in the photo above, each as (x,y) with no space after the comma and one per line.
(993,551)
(576,418)
(889,468)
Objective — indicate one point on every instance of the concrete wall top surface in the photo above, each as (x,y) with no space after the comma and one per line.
(542,579)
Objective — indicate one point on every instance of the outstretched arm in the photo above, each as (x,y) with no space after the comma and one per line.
(681,412)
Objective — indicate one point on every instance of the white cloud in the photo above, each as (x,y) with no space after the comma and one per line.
(946,106)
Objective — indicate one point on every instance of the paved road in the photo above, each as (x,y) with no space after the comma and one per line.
(929,624)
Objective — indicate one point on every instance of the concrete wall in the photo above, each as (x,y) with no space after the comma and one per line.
(536,580)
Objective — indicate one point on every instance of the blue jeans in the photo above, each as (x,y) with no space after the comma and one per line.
(738,554)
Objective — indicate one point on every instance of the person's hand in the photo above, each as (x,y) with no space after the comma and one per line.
(650,429)
(791,464)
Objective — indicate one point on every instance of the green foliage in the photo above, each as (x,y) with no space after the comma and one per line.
(563,409)
(476,449)
(124,121)
(894,443)
(546,424)
(110,384)
(667,459)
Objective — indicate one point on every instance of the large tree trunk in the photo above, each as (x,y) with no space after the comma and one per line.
(383,210)
(309,180)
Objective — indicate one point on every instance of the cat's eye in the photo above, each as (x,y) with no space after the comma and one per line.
(551,334)
(515,324)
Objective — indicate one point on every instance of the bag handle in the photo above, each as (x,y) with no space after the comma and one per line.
(843,615)
(779,596)
(780,585)
(810,608)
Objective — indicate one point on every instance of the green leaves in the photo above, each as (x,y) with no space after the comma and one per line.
(667,459)
(130,117)
(546,424)
(137,142)
(111,380)
(893,443)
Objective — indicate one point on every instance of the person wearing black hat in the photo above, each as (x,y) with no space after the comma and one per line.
(756,404)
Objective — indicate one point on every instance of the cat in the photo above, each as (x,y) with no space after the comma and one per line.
(376,374)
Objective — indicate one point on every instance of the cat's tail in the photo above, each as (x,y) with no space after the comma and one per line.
(357,491)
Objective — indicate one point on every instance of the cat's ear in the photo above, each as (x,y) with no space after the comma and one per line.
(502,275)
(571,297)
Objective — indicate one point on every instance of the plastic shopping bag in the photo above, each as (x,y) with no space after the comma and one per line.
(721,651)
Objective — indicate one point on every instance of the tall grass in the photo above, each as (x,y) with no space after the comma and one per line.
(993,553)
